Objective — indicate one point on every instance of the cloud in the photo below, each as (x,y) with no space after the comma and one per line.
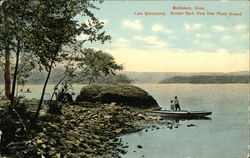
(160,28)
(121,42)
(246,35)
(174,60)
(226,38)
(152,41)
(240,27)
(134,25)
(189,27)
(206,35)
(218,28)
(222,50)
(204,45)
(104,21)
(82,37)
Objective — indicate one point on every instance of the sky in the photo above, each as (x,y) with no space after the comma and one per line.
(176,43)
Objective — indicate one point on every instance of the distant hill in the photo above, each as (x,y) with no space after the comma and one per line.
(156,77)
(207,79)
(38,77)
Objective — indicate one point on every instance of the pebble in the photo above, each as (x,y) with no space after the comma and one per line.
(82,131)
(139,146)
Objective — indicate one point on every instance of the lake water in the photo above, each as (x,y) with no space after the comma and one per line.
(224,136)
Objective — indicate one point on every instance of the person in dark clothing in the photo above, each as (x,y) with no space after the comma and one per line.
(176,103)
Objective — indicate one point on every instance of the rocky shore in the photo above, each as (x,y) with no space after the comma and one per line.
(82,131)
(87,128)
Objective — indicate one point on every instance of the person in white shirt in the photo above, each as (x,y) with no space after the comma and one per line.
(176,103)
(172,105)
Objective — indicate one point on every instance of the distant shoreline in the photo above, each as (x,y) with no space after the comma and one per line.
(136,77)
(207,79)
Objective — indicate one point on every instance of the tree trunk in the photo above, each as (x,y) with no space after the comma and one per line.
(18,50)
(57,86)
(7,80)
(43,92)
(15,74)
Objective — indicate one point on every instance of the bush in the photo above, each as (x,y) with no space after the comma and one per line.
(13,118)
(64,98)
(54,108)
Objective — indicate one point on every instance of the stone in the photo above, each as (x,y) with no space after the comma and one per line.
(126,95)
(88,133)
(139,146)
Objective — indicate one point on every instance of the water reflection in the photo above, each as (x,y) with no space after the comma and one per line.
(175,122)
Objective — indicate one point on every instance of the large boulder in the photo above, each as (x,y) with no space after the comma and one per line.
(127,95)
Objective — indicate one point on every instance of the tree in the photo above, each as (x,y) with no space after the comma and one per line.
(95,64)
(55,29)
(15,17)
(46,29)
(88,64)
(27,64)
(4,48)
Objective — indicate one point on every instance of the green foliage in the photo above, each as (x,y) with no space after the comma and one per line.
(20,105)
(8,127)
(13,24)
(27,64)
(63,95)
(55,29)
(44,28)
(14,121)
(62,89)
(96,64)
(88,65)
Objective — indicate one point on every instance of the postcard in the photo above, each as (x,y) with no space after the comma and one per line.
(125,78)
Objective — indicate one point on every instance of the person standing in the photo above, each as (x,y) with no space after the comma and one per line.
(172,105)
(176,103)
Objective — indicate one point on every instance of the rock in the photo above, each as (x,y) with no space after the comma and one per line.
(108,116)
(115,139)
(89,150)
(39,141)
(127,95)
(123,152)
(139,146)
(152,117)
(44,146)
(119,130)
(190,125)
(91,132)
(83,154)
